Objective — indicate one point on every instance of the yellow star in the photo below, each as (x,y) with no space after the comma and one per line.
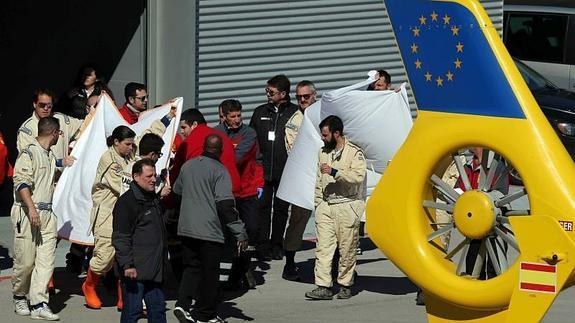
(455,30)
(428,77)
(418,64)
(422,20)
(457,63)
(446,19)
(434,16)
(439,81)
(415,32)
(414,48)
(459,47)
(449,76)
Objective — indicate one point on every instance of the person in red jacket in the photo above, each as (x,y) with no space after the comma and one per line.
(195,130)
(251,172)
(6,169)
(136,102)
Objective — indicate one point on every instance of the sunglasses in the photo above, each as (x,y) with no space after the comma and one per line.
(43,105)
(271,93)
(303,96)
(141,98)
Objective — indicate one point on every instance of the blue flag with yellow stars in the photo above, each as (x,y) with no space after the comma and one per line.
(449,61)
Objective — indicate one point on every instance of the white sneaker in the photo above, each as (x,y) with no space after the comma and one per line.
(44,313)
(21,307)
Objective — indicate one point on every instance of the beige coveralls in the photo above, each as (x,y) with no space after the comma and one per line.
(112,170)
(28,132)
(299,216)
(34,247)
(339,206)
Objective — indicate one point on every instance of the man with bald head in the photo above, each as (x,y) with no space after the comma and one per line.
(207,205)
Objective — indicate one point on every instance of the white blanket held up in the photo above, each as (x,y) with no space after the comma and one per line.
(377,121)
(73,195)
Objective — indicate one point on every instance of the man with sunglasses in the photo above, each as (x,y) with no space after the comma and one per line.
(269,120)
(305,96)
(136,102)
(28,131)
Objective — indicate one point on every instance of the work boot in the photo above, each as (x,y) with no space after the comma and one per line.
(290,273)
(320,293)
(344,292)
(43,312)
(249,279)
(89,290)
(120,303)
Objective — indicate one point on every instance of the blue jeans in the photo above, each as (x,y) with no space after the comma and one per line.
(133,292)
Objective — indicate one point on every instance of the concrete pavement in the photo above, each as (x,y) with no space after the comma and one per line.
(381,294)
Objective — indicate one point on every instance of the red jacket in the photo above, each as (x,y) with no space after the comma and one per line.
(6,169)
(130,116)
(245,144)
(193,146)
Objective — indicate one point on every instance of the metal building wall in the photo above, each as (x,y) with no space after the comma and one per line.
(334,43)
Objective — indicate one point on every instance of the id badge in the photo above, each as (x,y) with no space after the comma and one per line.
(271,135)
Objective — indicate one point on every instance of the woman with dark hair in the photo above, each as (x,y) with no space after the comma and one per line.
(88,83)
(105,192)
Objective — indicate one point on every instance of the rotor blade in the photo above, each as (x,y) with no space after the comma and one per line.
(438,206)
(441,186)
(462,265)
(493,256)
(507,238)
(440,232)
(479,260)
(457,248)
(501,255)
(490,175)
(518,212)
(462,172)
(510,198)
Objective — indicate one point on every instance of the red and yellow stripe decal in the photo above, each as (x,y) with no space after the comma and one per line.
(535,277)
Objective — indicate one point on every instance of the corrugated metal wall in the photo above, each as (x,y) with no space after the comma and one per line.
(333,43)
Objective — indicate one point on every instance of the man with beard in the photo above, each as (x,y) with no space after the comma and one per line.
(305,95)
(339,205)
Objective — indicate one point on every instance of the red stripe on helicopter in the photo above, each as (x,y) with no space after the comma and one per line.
(538,267)
(538,287)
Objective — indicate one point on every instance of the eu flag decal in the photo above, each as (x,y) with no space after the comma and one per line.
(450,63)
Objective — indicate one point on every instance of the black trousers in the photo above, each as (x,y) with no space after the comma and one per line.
(248,209)
(200,279)
(280,207)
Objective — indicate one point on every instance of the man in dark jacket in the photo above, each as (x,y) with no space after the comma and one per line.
(207,209)
(269,120)
(139,238)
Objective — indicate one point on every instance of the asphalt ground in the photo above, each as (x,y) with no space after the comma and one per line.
(381,293)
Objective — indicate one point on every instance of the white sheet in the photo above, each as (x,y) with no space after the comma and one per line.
(377,121)
(72,201)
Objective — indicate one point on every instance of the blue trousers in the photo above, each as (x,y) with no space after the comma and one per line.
(134,292)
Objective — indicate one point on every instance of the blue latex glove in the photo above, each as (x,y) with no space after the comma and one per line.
(260,191)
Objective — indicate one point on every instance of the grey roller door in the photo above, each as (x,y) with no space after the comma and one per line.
(333,43)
